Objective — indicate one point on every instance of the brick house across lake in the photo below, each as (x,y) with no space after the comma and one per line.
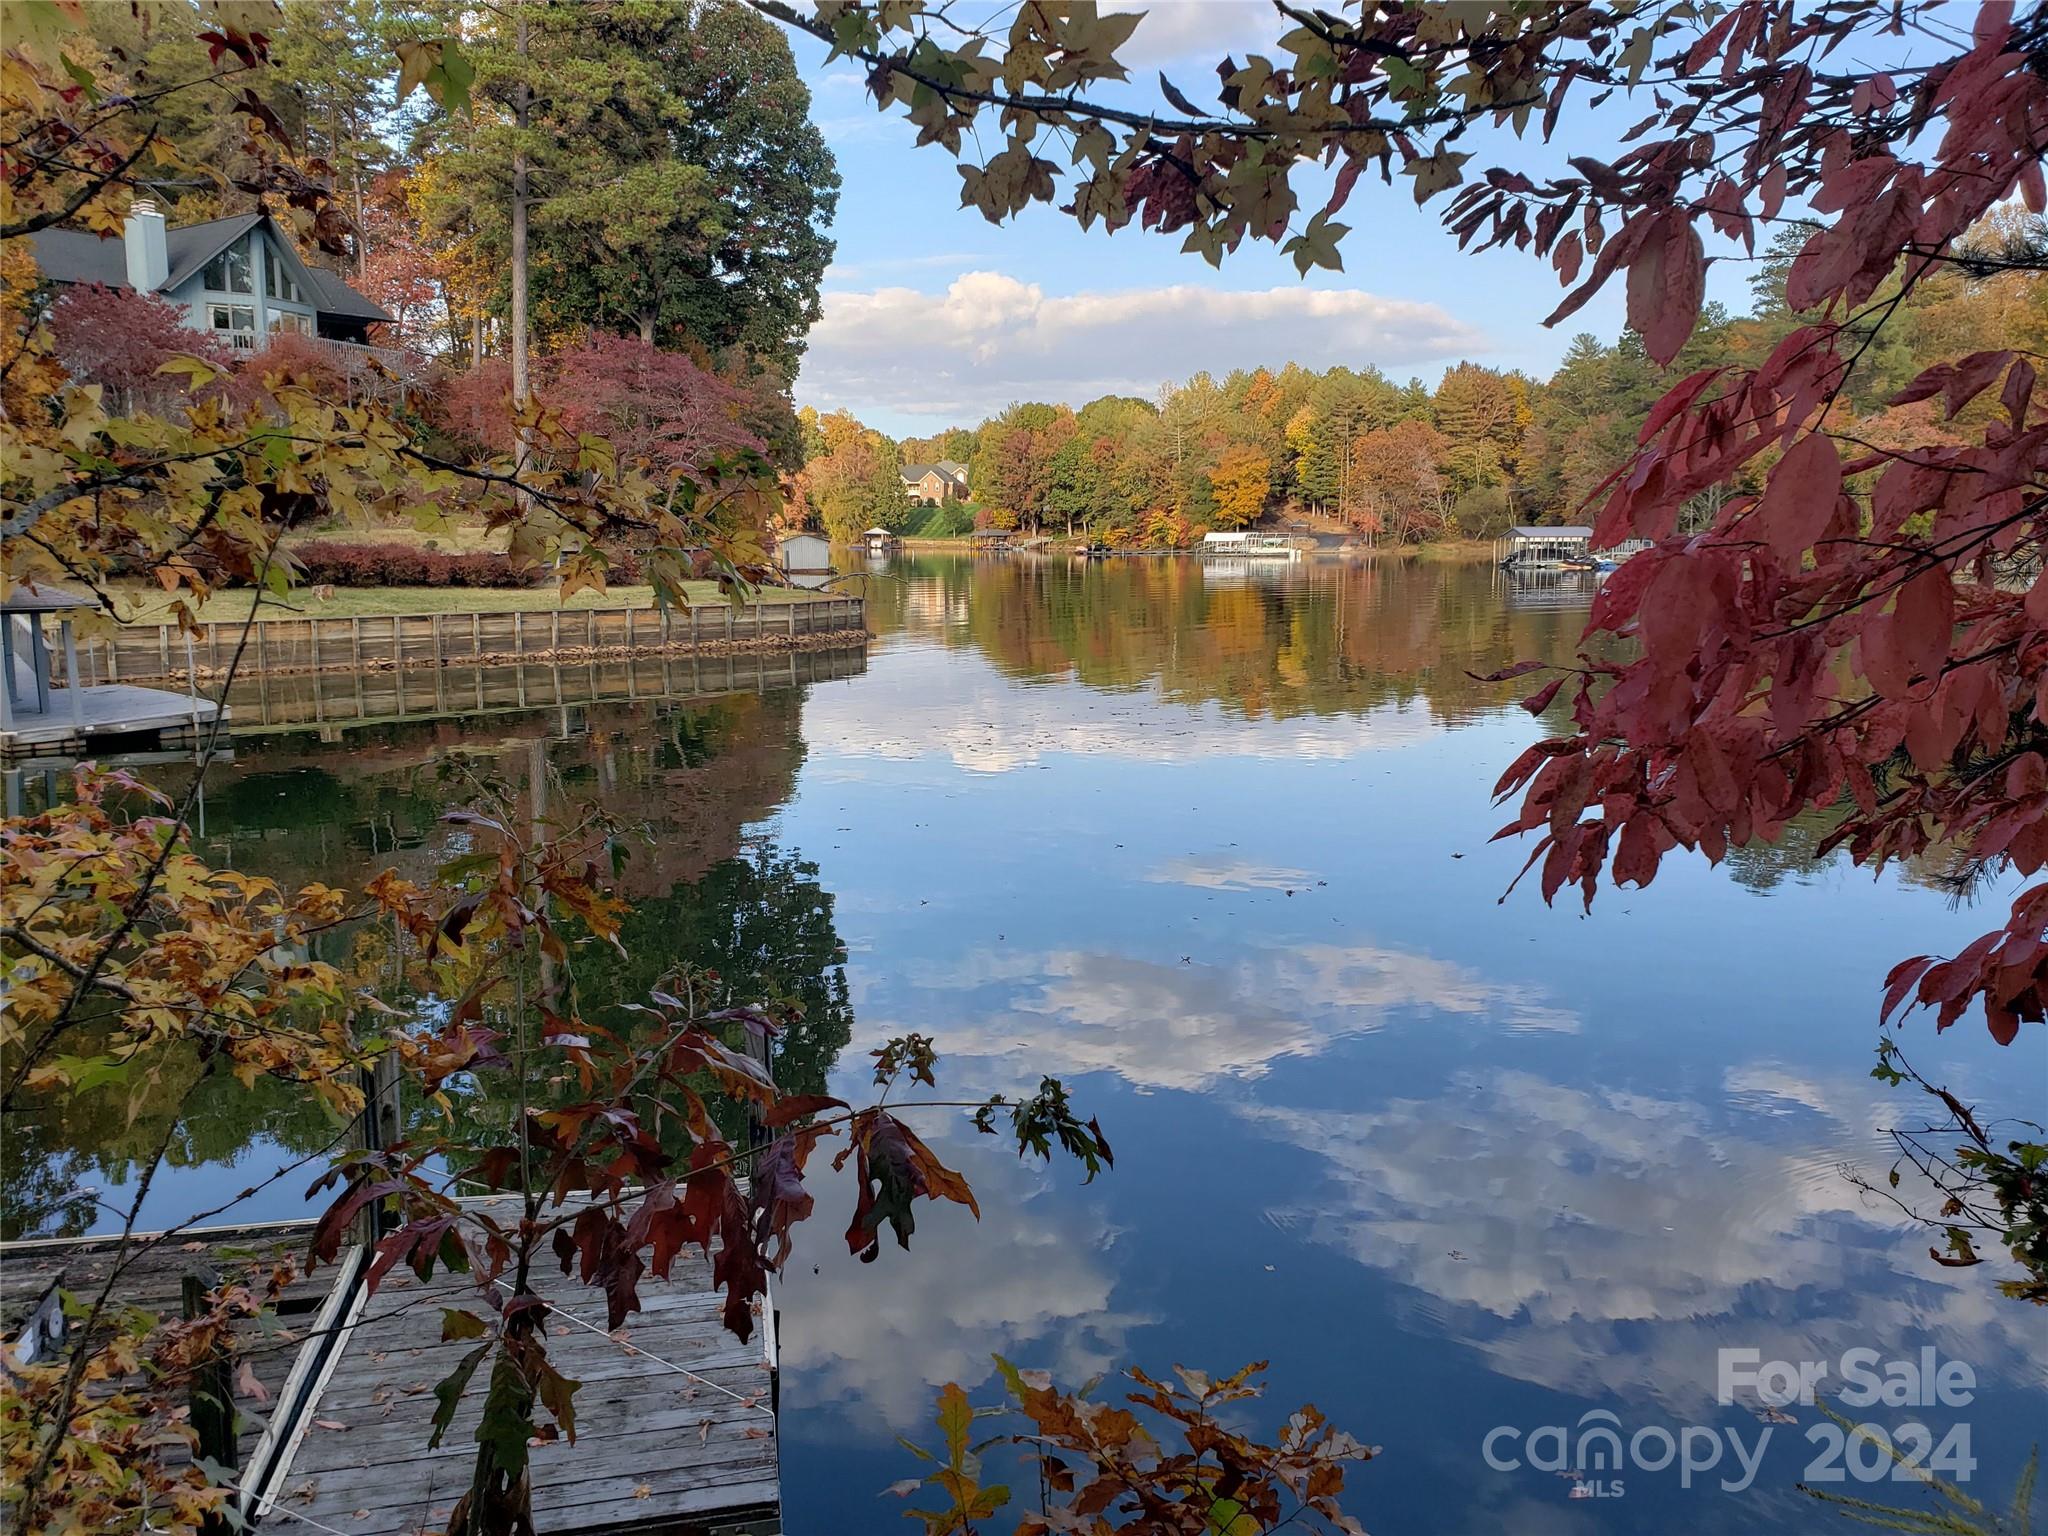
(932,484)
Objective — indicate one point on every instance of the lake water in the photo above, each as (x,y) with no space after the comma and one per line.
(1211,845)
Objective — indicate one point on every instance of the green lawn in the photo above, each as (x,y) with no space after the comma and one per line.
(146,604)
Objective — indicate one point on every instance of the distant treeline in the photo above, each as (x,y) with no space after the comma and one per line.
(1397,462)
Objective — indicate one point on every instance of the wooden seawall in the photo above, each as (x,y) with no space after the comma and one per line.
(309,643)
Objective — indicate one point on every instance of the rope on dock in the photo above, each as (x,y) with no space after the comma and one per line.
(745,1402)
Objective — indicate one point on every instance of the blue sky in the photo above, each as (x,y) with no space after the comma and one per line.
(933,316)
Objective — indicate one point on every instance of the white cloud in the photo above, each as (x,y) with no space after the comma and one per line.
(991,338)
(1197,34)
(1189,1025)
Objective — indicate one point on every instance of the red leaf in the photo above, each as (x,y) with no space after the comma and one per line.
(1923,624)
(795,1106)
(1666,283)
(1539,701)
(1800,497)
(1904,976)
(1971,376)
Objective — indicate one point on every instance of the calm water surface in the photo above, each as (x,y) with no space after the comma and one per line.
(1211,846)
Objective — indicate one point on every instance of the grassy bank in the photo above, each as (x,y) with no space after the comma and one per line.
(146,604)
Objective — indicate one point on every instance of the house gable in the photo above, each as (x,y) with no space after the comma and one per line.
(324,300)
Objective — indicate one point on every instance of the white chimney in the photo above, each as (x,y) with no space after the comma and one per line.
(149,249)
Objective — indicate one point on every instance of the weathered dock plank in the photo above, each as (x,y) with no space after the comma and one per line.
(675,1417)
(149,1277)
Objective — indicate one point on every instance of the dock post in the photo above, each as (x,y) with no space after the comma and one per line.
(754,1043)
(379,1126)
(73,683)
(212,1394)
(192,685)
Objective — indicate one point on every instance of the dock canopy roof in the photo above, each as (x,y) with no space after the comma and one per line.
(44,598)
(1573,531)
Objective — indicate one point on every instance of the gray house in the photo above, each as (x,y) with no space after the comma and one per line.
(237,277)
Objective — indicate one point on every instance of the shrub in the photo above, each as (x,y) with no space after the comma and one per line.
(388,563)
(341,564)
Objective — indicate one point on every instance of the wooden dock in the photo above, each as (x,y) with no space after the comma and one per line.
(111,717)
(676,1418)
(152,1280)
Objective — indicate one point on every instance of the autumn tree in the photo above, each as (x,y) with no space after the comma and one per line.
(1400,487)
(120,340)
(657,409)
(856,482)
(1241,481)
(1013,467)
(1482,415)
(401,272)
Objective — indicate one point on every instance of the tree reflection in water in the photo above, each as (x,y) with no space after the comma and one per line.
(707,889)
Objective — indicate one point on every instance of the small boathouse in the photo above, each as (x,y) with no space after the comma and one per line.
(41,717)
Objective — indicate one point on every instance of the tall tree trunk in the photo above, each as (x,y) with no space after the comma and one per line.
(476,340)
(647,326)
(355,181)
(522,103)
(522,113)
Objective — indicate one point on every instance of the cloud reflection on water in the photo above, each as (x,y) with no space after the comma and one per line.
(1608,1243)
(1190,1024)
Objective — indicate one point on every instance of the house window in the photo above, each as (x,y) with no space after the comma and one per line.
(278,281)
(233,323)
(231,271)
(285,320)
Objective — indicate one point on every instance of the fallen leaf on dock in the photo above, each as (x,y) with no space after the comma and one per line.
(247,1384)
(644,1491)
(329,1424)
